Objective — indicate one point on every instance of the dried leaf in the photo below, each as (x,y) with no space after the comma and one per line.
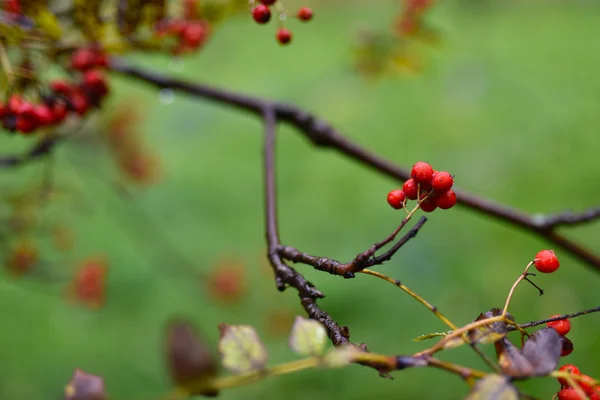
(339,357)
(491,333)
(493,387)
(308,337)
(543,349)
(241,349)
(539,356)
(84,386)
(191,361)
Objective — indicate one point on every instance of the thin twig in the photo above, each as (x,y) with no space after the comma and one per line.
(320,133)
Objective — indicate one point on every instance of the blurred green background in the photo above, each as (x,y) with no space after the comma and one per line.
(508,101)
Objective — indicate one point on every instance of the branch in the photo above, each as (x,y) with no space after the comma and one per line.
(41,149)
(322,134)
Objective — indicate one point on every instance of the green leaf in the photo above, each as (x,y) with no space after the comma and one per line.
(241,349)
(493,387)
(308,337)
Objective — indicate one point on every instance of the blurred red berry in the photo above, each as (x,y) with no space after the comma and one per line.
(422,172)
(95,81)
(22,258)
(194,34)
(562,326)
(83,59)
(26,125)
(14,103)
(570,368)
(304,14)
(284,36)
(569,394)
(44,115)
(546,261)
(61,87)
(396,198)
(268,2)
(79,102)
(261,14)
(59,112)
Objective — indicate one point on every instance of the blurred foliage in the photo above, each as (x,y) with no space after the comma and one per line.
(508,103)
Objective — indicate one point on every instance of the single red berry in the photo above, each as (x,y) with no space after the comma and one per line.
(284,36)
(83,59)
(79,102)
(25,125)
(411,189)
(396,198)
(422,172)
(595,393)
(261,14)
(546,261)
(567,346)
(194,34)
(101,59)
(95,81)
(446,200)
(586,383)
(428,205)
(569,394)
(14,103)
(61,87)
(570,368)
(44,114)
(304,14)
(268,2)
(59,112)
(442,181)
(562,326)
(26,110)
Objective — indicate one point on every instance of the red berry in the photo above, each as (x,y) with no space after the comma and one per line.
(284,36)
(546,261)
(26,110)
(79,102)
(586,383)
(101,60)
(83,59)
(569,394)
(567,346)
(61,87)
(570,368)
(261,14)
(194,34)
(411,189)
(59,112)
(422,172)
(13,6)
(442,181)
(428,205)
(44,114)
(25,125)
(304,14)
(562,326)
(14,103)
(3,110)
(446,200)
(595,393)
(96,82)
(268,2)
(396,198)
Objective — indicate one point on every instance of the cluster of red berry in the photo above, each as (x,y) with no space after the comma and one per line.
(584,382)
(190,34)
(431,187)
(18,114)
(261,13)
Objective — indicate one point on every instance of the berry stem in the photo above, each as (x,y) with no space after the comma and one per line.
(6,66)
(522,277)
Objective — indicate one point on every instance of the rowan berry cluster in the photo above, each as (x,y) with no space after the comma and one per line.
(580,384)
(190,35)
(261,13)
(432,189)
